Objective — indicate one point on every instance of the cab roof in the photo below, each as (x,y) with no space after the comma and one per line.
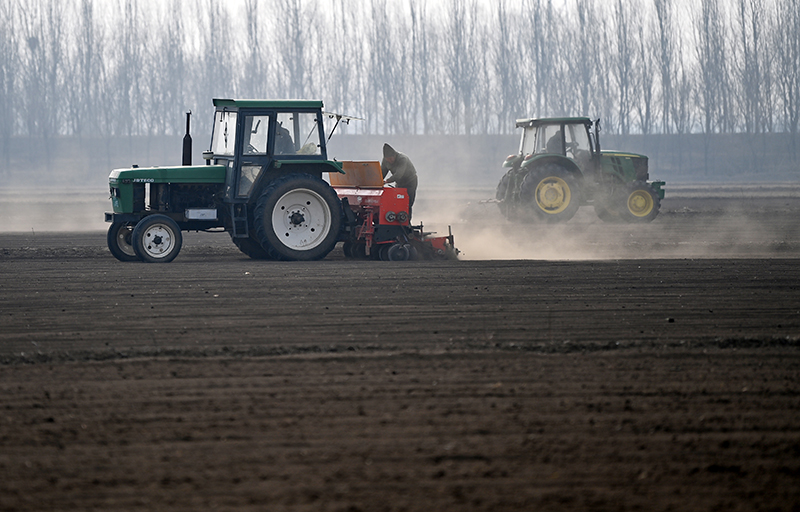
(552,120)
(278,104)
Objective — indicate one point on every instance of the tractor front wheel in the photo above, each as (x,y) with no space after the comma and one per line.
(642,203)
(298,217)
(157,239)
(119,241)
(551,192)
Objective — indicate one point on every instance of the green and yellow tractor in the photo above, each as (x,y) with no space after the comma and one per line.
(560,167)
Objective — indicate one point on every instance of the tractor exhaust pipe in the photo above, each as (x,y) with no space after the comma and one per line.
(187,142)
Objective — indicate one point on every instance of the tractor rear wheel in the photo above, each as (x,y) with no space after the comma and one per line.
(298,217)
(606,205)
(252,248)
(502,187)
(641,203)
(501,194)
(119,241)
(157,239)
(551,192)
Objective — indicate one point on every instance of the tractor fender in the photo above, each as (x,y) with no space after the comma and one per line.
(281,168)
(539,160)
(308,166)
(512,161)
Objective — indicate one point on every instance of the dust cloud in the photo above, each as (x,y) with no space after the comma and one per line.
(53,210)
(702,221)
(696,221)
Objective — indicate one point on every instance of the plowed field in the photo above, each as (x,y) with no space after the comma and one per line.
(605,367)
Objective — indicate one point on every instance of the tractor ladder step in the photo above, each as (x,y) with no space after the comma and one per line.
(239,221)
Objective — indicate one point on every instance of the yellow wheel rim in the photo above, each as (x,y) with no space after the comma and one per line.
(640,203)
(553,195)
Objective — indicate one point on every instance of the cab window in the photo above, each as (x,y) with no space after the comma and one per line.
(549,139)
(223,141)
(256,129)
(297,133)
(577,138)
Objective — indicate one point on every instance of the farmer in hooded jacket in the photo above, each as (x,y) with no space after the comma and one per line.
(404,175)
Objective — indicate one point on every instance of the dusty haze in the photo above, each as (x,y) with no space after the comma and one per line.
(749,214)
(696,221)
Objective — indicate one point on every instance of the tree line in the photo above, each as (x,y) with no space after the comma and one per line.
(133,67)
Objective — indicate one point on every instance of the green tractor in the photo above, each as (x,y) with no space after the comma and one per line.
(262,183)
(560,167)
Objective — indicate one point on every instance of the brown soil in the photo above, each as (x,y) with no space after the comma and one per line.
(221,383)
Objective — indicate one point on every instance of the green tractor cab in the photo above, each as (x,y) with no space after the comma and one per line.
(560,167)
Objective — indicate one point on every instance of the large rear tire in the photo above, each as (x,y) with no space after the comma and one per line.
(551,193)
(157,239)
(119,239)
(298,217)
(606,213)
(606,203)
(641,204)
(502,187)
(251,247)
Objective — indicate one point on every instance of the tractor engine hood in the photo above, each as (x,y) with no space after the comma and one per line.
(127,186)
(178,174)
(621,154)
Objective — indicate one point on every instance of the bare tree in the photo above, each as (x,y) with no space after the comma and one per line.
(682,113)
(427,60)
(508,69)
(42,29)
(295,45)
(124,93)
(8,72)
(342,88)
(253,83)
(163,59)
(381,70)
(623,63)
(582,66)
(539,37)
(714,94)
(749,19)
(410,66)
(644,74)
(459,62)
(419,70)
(665,56)
(713,91)
(768,59)
(213,65)
(786,43)
(81,85)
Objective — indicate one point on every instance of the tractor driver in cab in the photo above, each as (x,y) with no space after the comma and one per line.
(554,143)
(404,175)
(283,141)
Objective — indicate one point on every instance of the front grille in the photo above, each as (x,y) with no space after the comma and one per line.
(640,167)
